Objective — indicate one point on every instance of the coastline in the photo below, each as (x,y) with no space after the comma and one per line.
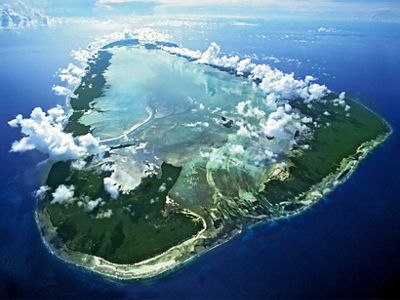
(185,252)
(188,250)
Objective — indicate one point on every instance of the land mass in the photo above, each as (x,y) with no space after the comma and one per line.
(186,206)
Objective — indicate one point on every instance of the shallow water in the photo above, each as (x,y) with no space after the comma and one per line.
(347,245)
(173,107)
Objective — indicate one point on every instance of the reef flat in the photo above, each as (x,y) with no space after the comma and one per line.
(194,151)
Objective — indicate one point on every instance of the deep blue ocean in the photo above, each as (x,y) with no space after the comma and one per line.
(348,245)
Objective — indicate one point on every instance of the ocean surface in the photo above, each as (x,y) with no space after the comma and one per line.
(345,246)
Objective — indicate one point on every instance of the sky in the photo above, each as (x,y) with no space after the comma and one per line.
(366,10)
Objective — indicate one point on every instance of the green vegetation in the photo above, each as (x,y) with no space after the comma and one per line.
(91,87)
(337,138)
(140,226)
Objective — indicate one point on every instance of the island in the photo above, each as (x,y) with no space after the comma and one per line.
(194,151)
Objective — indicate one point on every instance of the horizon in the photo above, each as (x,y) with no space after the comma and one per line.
(113,10)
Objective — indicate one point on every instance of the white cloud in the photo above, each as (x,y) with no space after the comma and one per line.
(211,57)
(315,91)
(196,124)
(236,149)
(243,131)
(91,144)
(144,35)
(78,164)
(62,91)
(275,83)
(288,108)
(271,101)
(107,167)
(162,188)
(105,214)
(41,192)
(340,101)
(245,24)
(309,78)
(81,56)
(44,132)
(276,123)
(272,59)
(306,120)
(72,75)
(56,114)
(19,16)
(182,52)
(245,109)
(92,204)
(326,30)
(285,86)
(111,186)
(89,205)
(63,194)
(244,65)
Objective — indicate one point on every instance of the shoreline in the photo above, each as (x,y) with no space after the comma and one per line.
(181,254)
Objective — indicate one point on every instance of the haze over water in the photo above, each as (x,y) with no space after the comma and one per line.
(346,245)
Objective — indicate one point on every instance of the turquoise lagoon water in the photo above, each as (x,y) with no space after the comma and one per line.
(346,246)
